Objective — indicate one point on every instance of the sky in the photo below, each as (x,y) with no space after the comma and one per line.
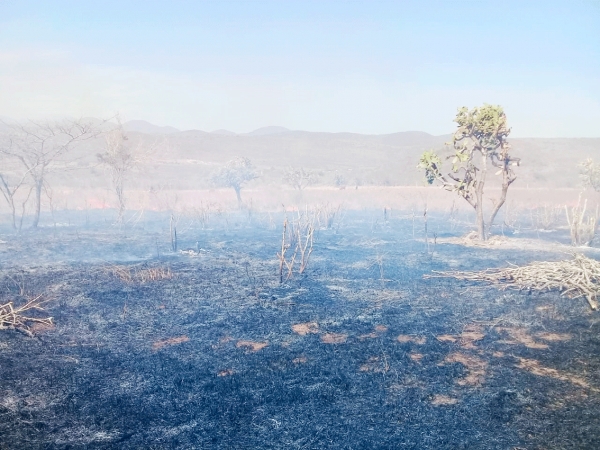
(371,67)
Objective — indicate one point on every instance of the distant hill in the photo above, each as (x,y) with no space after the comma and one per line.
(141,126)
(224,132)
(265,131)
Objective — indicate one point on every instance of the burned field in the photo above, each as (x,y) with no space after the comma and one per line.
(205,348)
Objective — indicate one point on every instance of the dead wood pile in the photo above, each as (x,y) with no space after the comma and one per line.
(575,278)
(17,317)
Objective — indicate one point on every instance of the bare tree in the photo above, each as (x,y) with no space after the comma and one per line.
(235,174)
(119,157)
(299,178)
(38,147)
(481,131)
(13,180)
(590,174)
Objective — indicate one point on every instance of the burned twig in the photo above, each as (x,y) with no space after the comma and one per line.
(583,227)
(299,236)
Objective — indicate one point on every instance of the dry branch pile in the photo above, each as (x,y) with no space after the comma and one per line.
(15,317)
(575,278)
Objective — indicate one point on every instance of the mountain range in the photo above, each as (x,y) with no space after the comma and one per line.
(186,159)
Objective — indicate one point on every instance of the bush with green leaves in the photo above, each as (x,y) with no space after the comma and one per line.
(478,144)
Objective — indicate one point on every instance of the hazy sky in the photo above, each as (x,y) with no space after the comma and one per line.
(359,66)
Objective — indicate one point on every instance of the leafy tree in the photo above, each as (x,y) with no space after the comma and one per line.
(590,174)
(478,144)
(235,174)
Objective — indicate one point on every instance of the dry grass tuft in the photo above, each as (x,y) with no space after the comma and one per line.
(135,275)
(17,317)
(575,278)
(154,274)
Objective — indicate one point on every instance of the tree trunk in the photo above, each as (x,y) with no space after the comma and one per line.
(13,213)
(38,202)
(238,194)
(479,193)
(499,204)
(121,201)
(480,220)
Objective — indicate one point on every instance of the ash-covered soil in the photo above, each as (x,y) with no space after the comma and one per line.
(205,348)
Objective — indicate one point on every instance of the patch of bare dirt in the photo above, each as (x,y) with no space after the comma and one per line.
(446,338)
(467,339)
(334,338)
(171,341)
(470,335)
(222,342)
(379,329)
(374,364)
(306,328)
(476,368)
(251,346)
(373,335)
(534,366)
(442,400)
(521,336)
(419,340)
(416,357)
(41,327)
(554,337)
